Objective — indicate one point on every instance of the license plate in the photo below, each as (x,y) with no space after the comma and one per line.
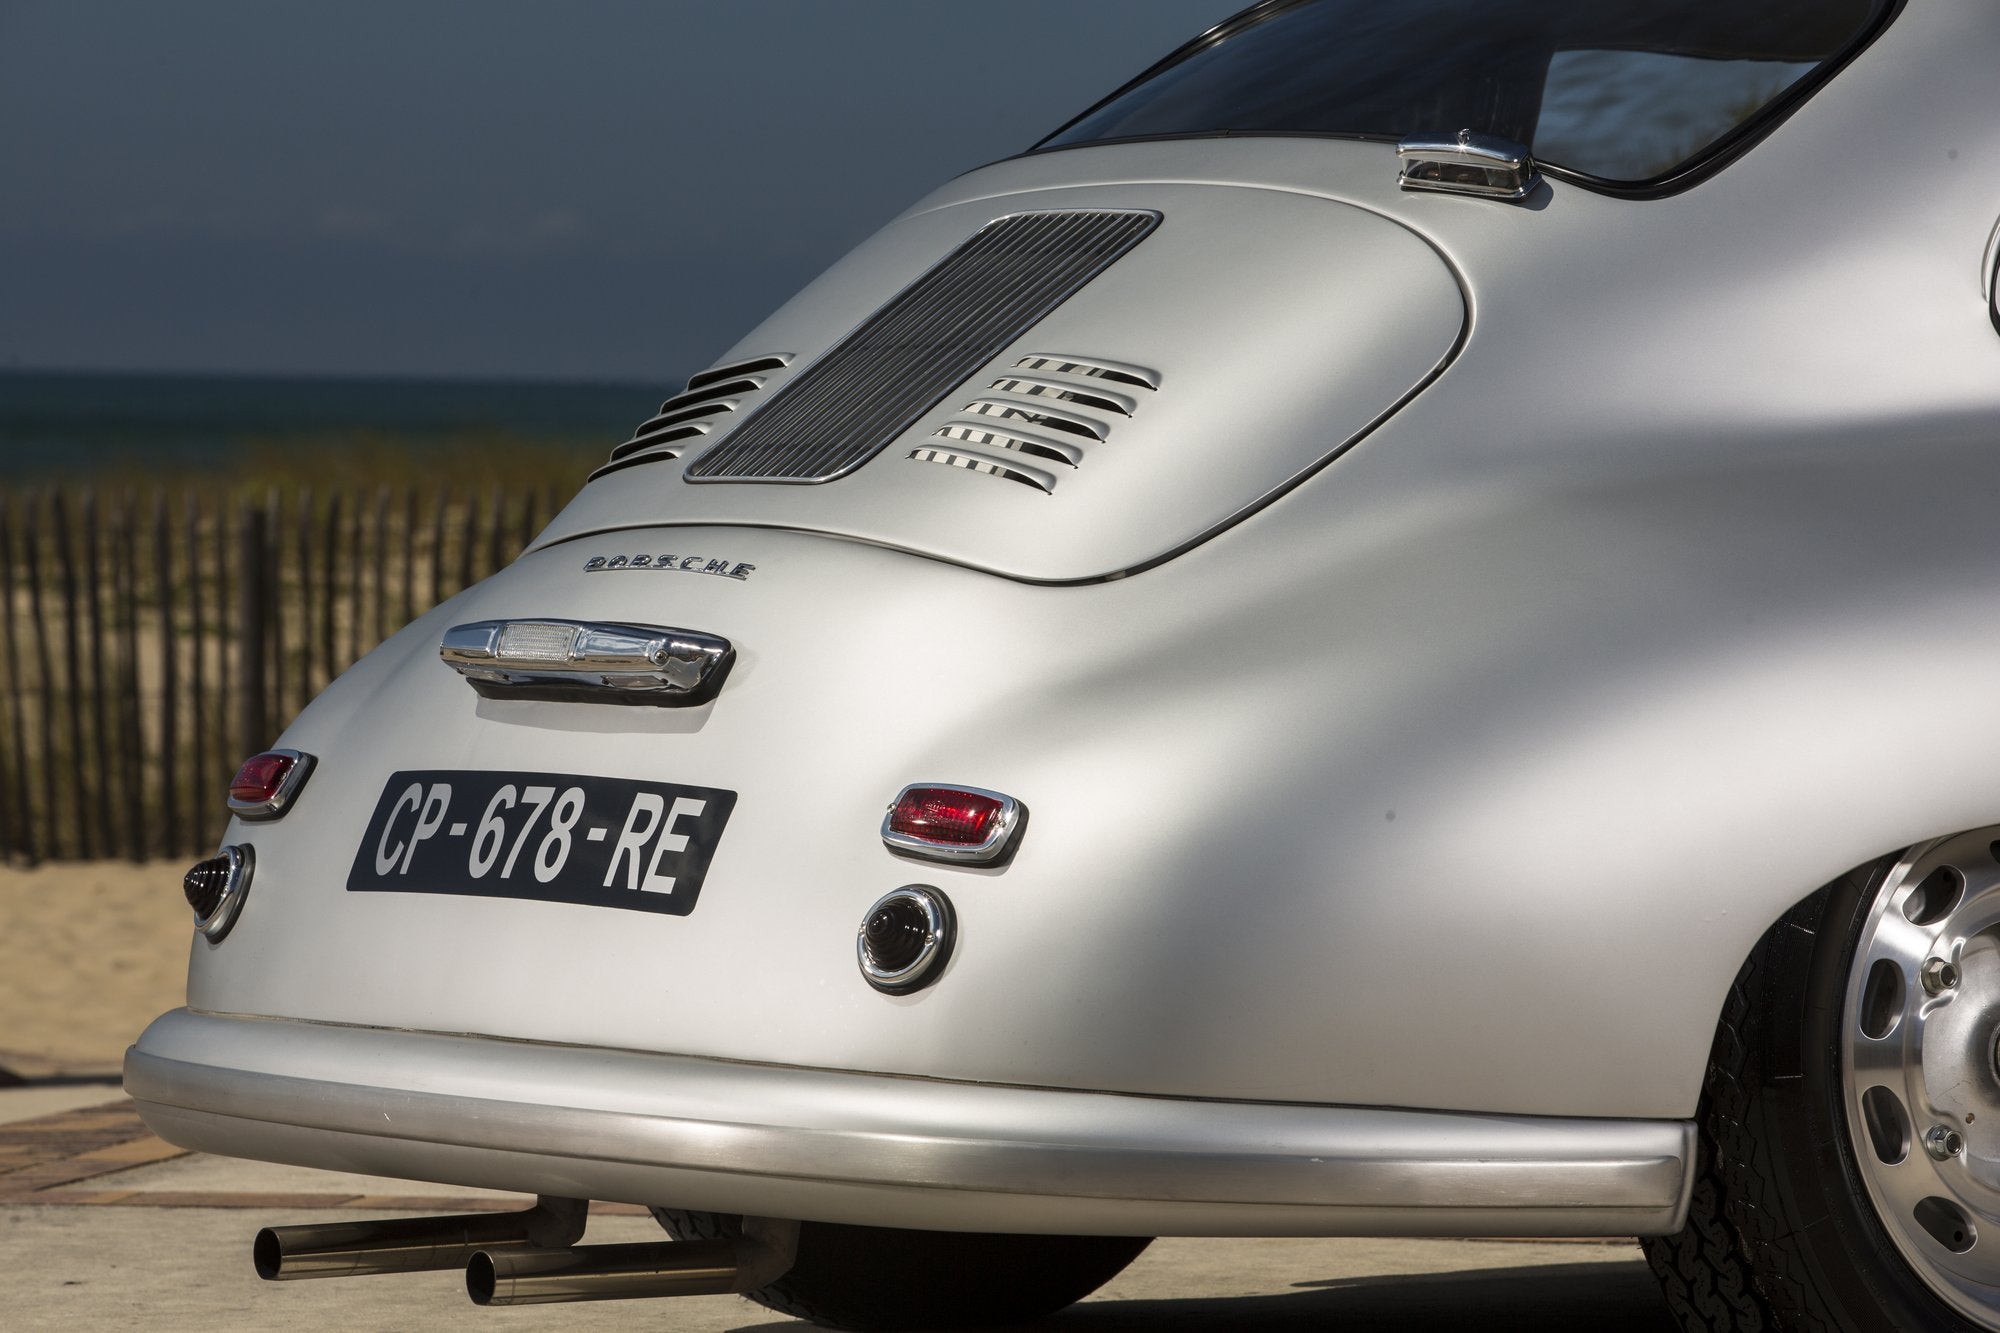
(556,837)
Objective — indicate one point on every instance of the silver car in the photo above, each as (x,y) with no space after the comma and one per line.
(1396,631)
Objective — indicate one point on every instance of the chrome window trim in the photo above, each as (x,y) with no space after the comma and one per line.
(288,788)
(997,843)
(1714,158)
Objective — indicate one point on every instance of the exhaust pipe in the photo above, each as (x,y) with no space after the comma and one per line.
(413,1244)
(762,1254)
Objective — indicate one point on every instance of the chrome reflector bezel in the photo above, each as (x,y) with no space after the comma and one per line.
(940,930)
(999,842)
(236,884)
(288,787)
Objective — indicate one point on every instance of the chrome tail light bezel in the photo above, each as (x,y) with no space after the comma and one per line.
(998,846)
(288,788)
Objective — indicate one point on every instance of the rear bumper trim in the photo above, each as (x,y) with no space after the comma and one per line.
(886,1150)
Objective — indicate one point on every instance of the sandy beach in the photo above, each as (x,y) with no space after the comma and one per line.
(90,952)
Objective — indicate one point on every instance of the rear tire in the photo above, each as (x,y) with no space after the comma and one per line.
(1783,1232)
(880,1278)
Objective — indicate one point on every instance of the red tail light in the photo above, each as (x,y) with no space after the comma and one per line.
(266,785)
(965,824)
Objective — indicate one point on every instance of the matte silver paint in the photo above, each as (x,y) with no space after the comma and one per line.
(1673,596)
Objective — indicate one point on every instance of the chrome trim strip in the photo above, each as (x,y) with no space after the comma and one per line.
(288,788)
(631,1125)
(550,657)
(997,843)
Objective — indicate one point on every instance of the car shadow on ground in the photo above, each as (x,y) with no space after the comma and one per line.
(1546,1298)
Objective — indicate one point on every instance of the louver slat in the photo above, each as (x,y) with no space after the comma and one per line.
(717,374)
(670,426)
(845,408)
(713,392)
(1137,376)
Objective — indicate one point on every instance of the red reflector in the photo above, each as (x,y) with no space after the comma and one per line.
(260,777)
(946,816)
(267,783)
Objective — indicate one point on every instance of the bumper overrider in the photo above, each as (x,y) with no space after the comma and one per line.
(824,1145)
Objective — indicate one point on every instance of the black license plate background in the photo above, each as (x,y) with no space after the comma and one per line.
(596,842)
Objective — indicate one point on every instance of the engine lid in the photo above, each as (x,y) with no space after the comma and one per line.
(1155,379)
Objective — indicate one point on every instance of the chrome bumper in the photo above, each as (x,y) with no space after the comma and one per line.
(816,1144)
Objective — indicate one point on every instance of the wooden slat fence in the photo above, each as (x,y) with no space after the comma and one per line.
(150,641)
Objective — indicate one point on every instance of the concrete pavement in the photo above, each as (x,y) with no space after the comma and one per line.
(105,1227)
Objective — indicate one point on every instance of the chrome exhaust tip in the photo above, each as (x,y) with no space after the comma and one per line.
(764,1253)
(412,1244)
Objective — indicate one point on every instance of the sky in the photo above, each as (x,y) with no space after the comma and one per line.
(601,190)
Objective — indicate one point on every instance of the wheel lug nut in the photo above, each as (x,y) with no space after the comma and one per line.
(1939,975)
(1943,1142)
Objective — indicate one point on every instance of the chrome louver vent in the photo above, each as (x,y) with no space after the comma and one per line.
(693,412)
(1051,415)
(846,407)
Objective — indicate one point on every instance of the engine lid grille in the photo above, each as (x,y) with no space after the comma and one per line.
(845,408)
(1015,420)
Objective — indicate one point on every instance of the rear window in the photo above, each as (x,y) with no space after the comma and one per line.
(1619,95)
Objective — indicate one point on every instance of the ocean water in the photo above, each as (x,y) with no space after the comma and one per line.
(55,423)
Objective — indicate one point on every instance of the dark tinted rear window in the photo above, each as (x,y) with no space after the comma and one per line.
(1621,92)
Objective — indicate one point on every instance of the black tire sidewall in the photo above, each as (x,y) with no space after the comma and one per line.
(1863,1280)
